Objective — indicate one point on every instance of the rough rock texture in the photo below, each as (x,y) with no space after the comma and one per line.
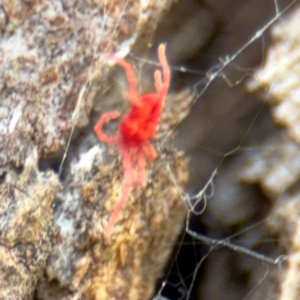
(278,174)
(47,83)
(127,264)
(51,55)
(286,223)
(27,233)
(51,65)
(281,73)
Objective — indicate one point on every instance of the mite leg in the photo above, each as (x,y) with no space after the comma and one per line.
(98,127)
(162,86)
